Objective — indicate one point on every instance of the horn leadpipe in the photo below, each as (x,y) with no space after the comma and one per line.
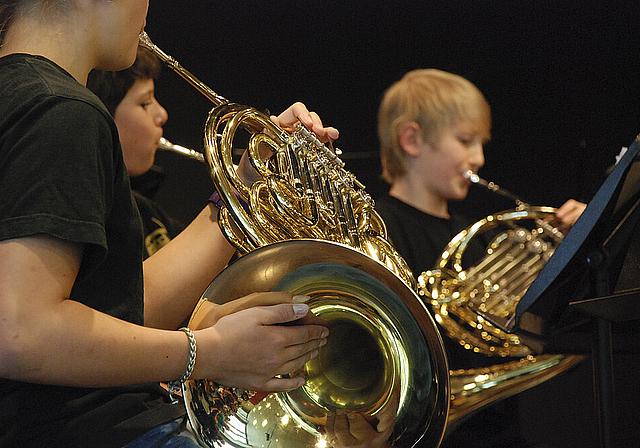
(165,144)
(146,42)
(475,179)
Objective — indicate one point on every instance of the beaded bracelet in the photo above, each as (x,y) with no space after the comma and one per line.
(176,386)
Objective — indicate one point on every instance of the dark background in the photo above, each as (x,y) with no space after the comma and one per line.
(561,78)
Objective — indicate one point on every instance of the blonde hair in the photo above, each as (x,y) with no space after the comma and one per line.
(436,100)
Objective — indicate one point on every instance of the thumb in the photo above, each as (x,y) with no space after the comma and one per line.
(285,312)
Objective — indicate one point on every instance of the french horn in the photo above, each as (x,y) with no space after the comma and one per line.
(309,227)
(472,300)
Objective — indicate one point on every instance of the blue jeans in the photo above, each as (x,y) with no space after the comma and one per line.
(173,434)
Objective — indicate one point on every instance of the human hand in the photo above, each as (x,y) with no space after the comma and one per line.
(351,429)
(569,212)
(299,112)
(249,348)
(208,313)
(357,430)
(287,120)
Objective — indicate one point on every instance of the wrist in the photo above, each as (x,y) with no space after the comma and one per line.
(176,385)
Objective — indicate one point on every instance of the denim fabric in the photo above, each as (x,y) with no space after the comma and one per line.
(173,434)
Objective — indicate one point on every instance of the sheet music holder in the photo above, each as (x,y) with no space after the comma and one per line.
(587,263)
(592,277)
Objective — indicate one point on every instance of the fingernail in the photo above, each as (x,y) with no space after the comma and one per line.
(325,333)
(300,309)
(323,342)
(300,298)
(314,353)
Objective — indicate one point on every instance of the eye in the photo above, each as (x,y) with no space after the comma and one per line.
(146,104)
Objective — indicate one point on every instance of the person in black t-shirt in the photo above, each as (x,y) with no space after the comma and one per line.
(129,96)
(84,332)
(432,126)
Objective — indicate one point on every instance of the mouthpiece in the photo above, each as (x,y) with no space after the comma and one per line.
(166,145)
(475,179)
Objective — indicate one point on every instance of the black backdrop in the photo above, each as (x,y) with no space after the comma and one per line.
(561,78)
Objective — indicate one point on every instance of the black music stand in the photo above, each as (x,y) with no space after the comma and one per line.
(578,283)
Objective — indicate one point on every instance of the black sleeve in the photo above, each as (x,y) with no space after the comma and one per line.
(56,174)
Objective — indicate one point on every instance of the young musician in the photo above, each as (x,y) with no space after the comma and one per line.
(77,366)
(129,96)
(432,127)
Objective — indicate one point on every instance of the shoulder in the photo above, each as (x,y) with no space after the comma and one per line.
(33,82)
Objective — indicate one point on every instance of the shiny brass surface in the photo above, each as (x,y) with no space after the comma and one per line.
(308,226)
(472,389)
(468,296)
(383,352)
(463,297)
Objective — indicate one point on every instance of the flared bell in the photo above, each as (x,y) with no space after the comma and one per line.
(384,357)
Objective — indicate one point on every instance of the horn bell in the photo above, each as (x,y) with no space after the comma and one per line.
(384,357)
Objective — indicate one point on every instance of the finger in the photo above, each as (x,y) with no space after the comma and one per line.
(306,353)
(309,319)
(282,313)
(291,115)
(257,299)
(341,429)
(324,134)
(283,384)
(295,338)
(316,123)
(359,427)
(329,429)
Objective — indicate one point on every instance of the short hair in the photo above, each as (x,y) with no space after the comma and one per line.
(436,100)
(112,87)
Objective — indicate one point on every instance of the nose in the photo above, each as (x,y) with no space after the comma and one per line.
(161,115)
(476,157)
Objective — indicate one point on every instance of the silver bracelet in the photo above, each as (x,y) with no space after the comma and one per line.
(176,386)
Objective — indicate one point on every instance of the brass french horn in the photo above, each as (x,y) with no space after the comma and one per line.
(472,300)
(310,228)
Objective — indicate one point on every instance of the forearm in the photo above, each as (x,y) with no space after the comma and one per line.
(177,275)
(71,344)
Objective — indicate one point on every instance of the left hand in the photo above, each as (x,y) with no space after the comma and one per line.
(287,120)
(569,212)
(298,111)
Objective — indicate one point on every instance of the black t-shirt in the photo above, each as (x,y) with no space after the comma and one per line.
(62,174)
(158,226)
(418,236)
(420,239)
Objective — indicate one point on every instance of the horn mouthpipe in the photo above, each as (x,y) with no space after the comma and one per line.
(475,179)
(165,144)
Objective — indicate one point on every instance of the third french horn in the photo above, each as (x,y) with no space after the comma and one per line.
(473,299)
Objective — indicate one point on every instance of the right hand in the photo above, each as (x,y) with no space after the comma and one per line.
(248,348)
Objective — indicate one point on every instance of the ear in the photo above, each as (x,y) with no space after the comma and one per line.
(410,138)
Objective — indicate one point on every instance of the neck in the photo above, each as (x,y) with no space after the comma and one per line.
(419,197)
(61,42)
